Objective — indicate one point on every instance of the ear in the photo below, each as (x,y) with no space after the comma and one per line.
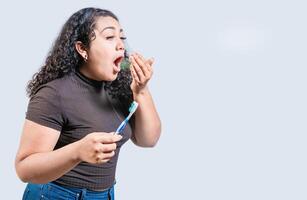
(81,49)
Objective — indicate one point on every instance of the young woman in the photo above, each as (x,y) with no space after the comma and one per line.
(68,149)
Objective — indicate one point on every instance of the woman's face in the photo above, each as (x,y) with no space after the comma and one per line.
(106,51)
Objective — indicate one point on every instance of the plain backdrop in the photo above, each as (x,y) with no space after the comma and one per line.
(229,83)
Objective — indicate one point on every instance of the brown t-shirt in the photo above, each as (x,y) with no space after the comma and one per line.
(76,106)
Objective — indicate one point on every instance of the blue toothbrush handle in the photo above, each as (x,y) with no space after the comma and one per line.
(121,127)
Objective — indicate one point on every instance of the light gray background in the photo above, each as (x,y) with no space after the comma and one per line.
(229,84)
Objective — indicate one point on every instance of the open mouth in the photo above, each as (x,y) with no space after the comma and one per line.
(118,61)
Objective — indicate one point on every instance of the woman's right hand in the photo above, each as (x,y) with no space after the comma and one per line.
(97,147)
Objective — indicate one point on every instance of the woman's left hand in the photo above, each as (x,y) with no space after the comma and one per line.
(141,71)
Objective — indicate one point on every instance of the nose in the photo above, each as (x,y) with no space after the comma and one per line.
(120,45)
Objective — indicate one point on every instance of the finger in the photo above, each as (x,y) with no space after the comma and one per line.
(98,148)
(105,160)
(109,138)
(101,161)
(108,147)
(109,155)
(134,75)
(150,61)
(104,157)
(142,64)
(138,70)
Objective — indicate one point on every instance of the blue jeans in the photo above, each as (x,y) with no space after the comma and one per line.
(51,191)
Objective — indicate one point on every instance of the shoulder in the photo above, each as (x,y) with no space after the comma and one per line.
(53,88)
(45,106)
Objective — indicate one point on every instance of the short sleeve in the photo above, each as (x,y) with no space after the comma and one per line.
(44,108)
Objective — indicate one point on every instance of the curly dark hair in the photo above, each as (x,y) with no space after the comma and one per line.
(63,58)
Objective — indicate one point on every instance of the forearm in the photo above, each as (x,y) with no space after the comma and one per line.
(47,166)
(147,128)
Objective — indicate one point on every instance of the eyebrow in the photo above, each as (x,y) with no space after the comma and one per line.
(111,27)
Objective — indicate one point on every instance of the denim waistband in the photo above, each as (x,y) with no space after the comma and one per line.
(78,193)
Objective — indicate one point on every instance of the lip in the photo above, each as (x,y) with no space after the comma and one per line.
(116,68)
(117,62)
(118,57)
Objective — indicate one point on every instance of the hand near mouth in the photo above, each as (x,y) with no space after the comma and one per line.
(141,71)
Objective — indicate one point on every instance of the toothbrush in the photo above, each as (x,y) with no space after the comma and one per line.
(132,109)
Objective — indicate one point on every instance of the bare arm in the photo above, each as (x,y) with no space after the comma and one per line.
(147,127)
(36,162)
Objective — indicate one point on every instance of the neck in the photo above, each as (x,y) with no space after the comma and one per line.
(84,69)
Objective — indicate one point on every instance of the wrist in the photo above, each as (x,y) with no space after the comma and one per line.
(76,155)
(140,94)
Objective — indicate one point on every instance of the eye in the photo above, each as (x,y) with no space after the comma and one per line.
(110,37)
(123,38)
